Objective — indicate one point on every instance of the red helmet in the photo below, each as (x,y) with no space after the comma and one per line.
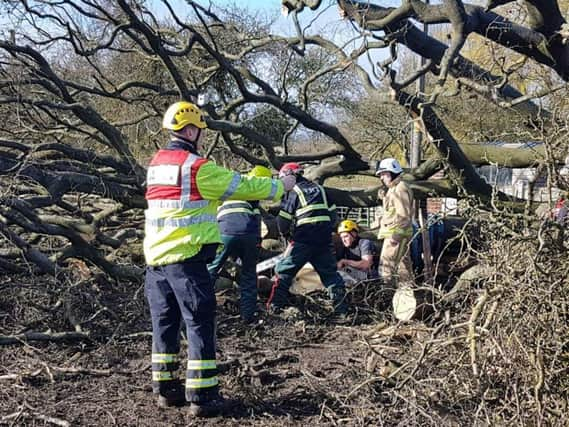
(290,169)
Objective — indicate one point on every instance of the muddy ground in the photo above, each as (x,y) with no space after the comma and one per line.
(482,358)
(299,371)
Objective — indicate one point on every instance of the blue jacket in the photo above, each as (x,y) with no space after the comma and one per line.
(305,215)
(239,218)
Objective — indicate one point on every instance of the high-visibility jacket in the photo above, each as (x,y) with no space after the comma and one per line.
(305,208)
(397,219)
(239,218)
(183,193)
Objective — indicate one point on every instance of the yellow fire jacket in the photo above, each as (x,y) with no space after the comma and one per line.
(183,194)
(397,212)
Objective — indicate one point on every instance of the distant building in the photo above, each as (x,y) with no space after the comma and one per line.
(517,182)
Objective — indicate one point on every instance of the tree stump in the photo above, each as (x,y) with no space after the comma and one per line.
(411,304)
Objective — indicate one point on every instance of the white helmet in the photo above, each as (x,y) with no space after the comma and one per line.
(388,165)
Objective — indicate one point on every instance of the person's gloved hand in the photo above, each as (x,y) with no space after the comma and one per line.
(289,182)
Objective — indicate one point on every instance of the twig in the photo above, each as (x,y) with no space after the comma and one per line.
(143,334)
(71,371)
(471,338)
(52,420)
(39,336)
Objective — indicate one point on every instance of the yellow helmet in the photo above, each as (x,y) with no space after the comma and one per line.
(261,172)
(347,226)
(181,114)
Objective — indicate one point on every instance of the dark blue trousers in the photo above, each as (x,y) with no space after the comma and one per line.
(296,256)
(246,249)
(176,292)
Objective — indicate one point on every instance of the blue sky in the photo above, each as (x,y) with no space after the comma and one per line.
(257,4)
(326,20)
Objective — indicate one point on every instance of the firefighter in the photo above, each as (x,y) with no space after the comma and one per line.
(181,236)
(356,256)
(240,226)
(306,220)
(396,225)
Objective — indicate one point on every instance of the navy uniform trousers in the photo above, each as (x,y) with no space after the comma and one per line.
(176,292)
(321,258)
(245,248)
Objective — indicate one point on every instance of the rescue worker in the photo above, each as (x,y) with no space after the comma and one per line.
(306,220)
(240,226)
(356,256)
(396,225)
(561,209)
(181,237)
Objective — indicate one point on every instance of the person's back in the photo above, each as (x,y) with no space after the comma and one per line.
(181,235)
(239,218)
(240,225)
(307,207)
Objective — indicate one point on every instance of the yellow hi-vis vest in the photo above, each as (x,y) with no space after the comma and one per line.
(183,194)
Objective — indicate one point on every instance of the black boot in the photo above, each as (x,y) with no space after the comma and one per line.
(172,396)
(338,296)
(210,408)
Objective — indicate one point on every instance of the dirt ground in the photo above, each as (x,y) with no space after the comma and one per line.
(281,372)
(482,358)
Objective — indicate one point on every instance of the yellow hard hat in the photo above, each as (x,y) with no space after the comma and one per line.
(181,114)
(347,226)
(261,172)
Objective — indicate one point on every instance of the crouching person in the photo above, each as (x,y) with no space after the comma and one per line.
(306,219)
(356,257)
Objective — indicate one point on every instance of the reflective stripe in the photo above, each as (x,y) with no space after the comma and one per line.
(285,215)
(305,208)
(314,207)
(388,232)
(177,204)
(300,194)
(238,203)
(274,189)
(186,177)
(324,199)
(197,365)
(312,220)
(332,208)
(232,187)
(163,376)
(235,210)
(164,357)
(180,222)
(201,382)
(184,201)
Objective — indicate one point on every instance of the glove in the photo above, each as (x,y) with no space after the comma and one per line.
(289,182)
